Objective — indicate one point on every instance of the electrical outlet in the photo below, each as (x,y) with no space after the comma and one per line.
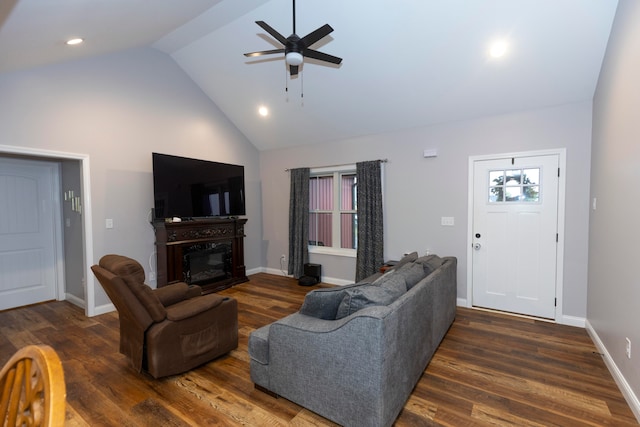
(628,349)
(283,258)
(152,275)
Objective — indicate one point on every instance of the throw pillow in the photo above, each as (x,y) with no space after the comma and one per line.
(430,263)
(322,305)
(412,274)
(406,259)
(382,293)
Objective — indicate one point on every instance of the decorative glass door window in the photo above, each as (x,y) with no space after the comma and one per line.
(514,185)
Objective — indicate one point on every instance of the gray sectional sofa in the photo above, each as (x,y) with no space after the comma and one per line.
(353,354)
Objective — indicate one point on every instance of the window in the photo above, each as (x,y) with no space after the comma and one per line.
(333,214)
(514,185)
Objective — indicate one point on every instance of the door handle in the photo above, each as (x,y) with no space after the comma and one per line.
(477,246)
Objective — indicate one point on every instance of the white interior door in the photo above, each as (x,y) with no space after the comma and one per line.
(515,217)
(28,269)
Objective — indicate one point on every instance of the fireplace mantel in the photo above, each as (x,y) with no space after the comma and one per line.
(175,240)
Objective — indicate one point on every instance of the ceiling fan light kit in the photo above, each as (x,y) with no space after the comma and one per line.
(294,58)
(295,49)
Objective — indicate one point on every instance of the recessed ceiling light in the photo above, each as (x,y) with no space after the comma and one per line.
(75,41)
(498,49)
(263,111)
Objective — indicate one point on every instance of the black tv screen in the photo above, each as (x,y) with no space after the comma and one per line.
(190,188)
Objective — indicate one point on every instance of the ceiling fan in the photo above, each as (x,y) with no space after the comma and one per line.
(296,48)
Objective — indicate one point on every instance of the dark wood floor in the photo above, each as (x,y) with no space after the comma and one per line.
(490,370)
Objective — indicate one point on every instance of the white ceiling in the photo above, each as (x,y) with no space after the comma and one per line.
(406,63)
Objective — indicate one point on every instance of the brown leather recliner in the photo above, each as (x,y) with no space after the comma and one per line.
(171,329)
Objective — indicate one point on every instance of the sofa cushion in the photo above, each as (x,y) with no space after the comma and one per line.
(430,263)
(381,292)
(412,273)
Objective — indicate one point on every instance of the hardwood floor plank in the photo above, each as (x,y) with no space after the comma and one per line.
(490,370)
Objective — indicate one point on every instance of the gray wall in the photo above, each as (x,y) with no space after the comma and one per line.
(614,233)
(419,191)
(72,230)
(118,109)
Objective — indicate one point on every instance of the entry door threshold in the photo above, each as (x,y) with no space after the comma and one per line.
(510,313)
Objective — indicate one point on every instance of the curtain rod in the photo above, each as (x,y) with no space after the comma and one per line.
(336,166)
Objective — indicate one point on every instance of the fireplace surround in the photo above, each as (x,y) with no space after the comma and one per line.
(204,252)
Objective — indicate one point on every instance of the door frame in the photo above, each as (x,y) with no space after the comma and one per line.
(562,164)
(90,309)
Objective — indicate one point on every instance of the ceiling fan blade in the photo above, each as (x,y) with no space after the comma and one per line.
(316,35)
(293,70)
(310,53)
(264,52)
(276,35)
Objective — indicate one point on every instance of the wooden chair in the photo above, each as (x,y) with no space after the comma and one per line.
(32,389)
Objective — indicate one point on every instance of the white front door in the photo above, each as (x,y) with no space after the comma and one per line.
(28,268)
(514,234)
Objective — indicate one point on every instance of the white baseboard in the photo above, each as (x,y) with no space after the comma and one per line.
(274,271)
(105,308)
(259,270)
(278,272)
(564,320)
(578,322)
(335,281)
(75,300)
(620,380)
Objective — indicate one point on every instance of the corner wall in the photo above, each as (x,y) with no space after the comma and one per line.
(118,109)
(614,233)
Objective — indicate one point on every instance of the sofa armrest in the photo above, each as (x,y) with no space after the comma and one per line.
(193,307)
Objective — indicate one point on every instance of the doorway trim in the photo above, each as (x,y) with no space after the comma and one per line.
(562,163)
(86,211)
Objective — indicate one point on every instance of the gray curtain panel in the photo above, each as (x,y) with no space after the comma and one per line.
(298,221)
(370,252)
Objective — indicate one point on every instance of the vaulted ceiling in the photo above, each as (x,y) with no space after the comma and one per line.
(406,63)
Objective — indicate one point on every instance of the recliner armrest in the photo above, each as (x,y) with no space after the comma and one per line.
(173,293)
(194,306)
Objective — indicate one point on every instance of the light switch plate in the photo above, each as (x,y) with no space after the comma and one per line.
(447,221)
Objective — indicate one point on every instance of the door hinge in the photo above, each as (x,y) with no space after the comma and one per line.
(558,172)
(513,160)
(557,238)
(555,302)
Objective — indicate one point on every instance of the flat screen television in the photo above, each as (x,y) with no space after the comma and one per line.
(191,188)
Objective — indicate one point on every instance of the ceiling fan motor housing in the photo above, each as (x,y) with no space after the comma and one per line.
(294,50)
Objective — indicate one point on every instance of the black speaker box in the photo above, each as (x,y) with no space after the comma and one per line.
(313,270)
